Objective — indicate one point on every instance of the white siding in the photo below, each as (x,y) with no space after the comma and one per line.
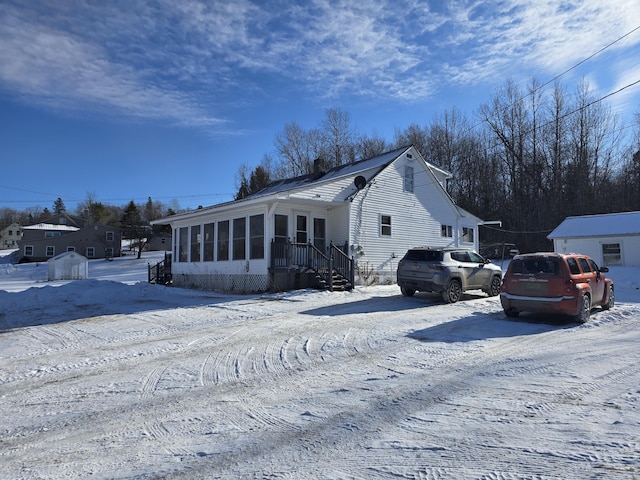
(592,246)
(416,218)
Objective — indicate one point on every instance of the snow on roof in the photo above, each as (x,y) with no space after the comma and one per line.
(51,226)
(625,223)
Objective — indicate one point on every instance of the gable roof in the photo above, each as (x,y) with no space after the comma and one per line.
(624,223)
(377,164)
(369,167)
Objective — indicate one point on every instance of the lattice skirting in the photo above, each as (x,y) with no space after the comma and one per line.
(223,283)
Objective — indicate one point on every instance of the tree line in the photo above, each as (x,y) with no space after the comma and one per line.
(133,219)
(529,157)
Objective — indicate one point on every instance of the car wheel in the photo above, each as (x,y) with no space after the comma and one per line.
(494,288)
(610,299)
(585,310)
(453,292)
(511,313)
(407,292)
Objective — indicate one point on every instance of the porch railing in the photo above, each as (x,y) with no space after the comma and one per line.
(160,273)
(306,256)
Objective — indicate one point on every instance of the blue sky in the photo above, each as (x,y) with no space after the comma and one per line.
(163,98)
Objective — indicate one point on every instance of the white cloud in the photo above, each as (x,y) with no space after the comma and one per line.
(62,71)
(181,60)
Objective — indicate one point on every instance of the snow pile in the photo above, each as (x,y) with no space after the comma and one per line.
(111,377)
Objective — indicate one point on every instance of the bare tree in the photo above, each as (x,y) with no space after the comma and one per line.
(338,137)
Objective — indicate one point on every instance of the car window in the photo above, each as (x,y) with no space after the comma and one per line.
(460,256)
(424,255)
(573,266)
(475,258)
(536,266)
(594,266)
(584,265)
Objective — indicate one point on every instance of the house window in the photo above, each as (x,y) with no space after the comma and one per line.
(301,229)
(223,240)
(467,234)
(28,250)
(319,234)
(385,225)
(110,236)
(71,249)
(408,178)
(281,230)
(239,238)
(195,243)
(51,234)
(183,244)
(611,254)
(208,242)
(256,236)
(108,252)
(51,251)
(446,231)
(91,252)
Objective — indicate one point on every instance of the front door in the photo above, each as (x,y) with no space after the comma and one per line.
(301,238)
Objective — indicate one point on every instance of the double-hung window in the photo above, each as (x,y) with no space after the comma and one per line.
(385,225)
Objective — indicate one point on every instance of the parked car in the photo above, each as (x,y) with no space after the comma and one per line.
(567,284)
(447,271)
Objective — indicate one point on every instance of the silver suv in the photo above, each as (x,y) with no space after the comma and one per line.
(448,271)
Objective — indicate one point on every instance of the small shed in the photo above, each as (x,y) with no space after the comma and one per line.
(68,266)
(610,239)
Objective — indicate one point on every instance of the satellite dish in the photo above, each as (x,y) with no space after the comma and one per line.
(360,182)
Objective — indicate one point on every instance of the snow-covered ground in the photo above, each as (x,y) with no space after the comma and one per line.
(114,378)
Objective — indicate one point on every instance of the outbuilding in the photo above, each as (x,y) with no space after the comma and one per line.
(68,266)
(610,239)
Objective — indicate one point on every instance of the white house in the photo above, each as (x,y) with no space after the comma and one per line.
(350,224)
(610,239)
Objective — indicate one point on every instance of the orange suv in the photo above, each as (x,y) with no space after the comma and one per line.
(567,284)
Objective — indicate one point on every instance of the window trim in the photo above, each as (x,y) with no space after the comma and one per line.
(239,242)
(446,231)
(256,242)
(385,227)
(465,235)
(408,180)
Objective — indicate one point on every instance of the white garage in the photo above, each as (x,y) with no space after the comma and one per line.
(610,239)
(68,266)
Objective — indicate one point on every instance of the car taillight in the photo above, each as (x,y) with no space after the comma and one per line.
(568,286)
(439,268)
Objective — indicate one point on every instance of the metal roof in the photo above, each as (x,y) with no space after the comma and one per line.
(624,223)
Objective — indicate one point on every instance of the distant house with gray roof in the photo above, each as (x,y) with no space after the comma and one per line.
(610,239)
(43,241)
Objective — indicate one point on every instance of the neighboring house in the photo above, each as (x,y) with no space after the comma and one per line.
(356,219)
(159,242)
(10,236)
(43,241)
(65,219)
(610,239)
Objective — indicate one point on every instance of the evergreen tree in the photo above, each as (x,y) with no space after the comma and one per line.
(133,228)
(58,207)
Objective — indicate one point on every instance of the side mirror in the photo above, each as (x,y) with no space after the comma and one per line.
(604,269)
